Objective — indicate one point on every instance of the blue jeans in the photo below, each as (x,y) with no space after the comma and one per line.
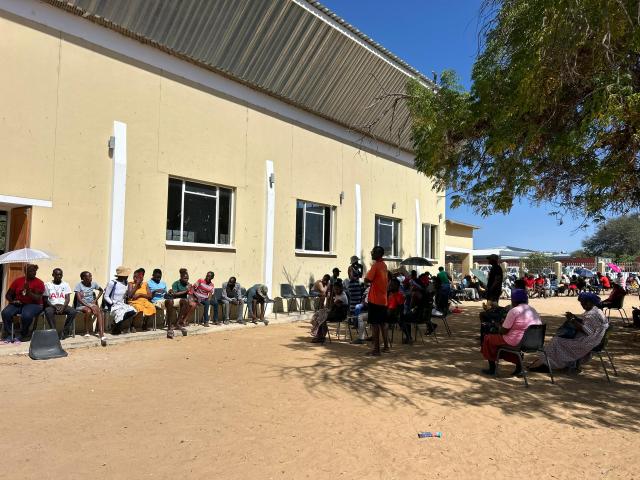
(212,302)
(27,312)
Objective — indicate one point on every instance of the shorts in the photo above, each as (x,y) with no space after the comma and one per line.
(377,314)
(159,303)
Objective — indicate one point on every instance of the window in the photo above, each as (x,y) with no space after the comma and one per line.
(198,213)
(430,241)
(388,235)
(314,227)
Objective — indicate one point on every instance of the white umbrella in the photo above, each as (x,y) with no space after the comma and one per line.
(25,255)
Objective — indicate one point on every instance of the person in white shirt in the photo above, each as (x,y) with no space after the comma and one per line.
(57,294)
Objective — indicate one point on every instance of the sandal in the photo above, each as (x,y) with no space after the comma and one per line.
(170,334)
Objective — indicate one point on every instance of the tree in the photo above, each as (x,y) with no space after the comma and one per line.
(618,238)
(553,114)
(537,261)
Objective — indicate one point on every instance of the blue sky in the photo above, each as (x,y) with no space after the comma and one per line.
(437,35)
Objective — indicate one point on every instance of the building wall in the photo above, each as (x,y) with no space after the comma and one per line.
(65,95)
(459,236)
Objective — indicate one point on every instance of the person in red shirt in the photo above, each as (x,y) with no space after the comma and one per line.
(377,280)
(25,299)
(529,283)
(606,282)
(395,307)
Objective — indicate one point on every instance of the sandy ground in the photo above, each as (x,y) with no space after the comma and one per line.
(264,403)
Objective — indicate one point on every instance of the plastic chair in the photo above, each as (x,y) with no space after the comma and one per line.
(340,316)
(532,342)
(304,296)
(287,293)
(602,348)
(621,312)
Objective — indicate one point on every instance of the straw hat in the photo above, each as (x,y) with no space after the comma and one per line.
(123,271)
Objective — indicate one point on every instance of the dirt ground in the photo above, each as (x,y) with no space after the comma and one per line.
(264,403)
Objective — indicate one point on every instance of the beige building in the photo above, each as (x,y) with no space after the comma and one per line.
(459,246)
(157,139)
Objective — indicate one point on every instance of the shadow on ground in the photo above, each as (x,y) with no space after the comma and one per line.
(448,373)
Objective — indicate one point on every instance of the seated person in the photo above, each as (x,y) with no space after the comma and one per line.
(24,298)
(539,286)
(470,288)
(615,298)
(57,295)
(181,290)
(337,312)
(204,292)
(256,298)
(360,312)
(320,290)
(589,331)
(158,290)
(232,295)
(115,299)
(139,297)
(606,282)
(530,284)
(581,284)
(518,319)
(87,302)
(395,309)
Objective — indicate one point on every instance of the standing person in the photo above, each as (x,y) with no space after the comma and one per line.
(355,270)
(57,295)
(203,290)
(181,291)
(87,301)
(355,289)
(24,297)
(140,298)
(232,295)
(494,282)
(377,279)
(115,298)
(256,297)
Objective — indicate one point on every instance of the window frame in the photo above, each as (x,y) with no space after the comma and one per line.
(232,223)
(396,221)
(427,229)
(332,225)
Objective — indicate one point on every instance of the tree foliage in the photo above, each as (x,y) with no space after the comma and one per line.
(618,238)
(553,114)
(537,261)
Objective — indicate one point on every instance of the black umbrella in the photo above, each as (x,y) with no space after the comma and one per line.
(416,262)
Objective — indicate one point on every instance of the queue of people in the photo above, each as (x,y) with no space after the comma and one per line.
(123,300)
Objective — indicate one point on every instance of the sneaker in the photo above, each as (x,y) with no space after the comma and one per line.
(436,313)
(207,324)
(266,322)
(103,341)
(242,322)
(226,322)
(87,335)
(184,331)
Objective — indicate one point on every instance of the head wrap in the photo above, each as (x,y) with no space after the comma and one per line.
(519,296)
(590,297)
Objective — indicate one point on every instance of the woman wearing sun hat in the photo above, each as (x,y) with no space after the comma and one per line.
(115,297)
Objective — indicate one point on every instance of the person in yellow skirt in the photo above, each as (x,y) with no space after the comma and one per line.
(140,297)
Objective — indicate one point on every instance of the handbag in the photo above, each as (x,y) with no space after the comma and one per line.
(567,330)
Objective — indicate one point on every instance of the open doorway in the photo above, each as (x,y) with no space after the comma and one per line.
(17,234)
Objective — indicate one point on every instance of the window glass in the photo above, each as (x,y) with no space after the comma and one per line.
(224,217)
(174,210)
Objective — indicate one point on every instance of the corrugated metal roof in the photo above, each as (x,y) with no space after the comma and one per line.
(286,48)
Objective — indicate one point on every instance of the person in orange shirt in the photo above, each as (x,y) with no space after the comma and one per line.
(377,279)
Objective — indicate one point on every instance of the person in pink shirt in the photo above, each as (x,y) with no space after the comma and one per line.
(203,290)
(519,318)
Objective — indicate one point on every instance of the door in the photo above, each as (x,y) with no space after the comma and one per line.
(19,237)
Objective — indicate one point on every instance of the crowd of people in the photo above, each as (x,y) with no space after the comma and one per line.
(123,300)
(382,298)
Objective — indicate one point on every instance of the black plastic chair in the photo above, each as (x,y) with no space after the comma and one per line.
(340,315)
(303,295)
(621,312)
(287,293)
(602,348)
(532,342)
(423,318)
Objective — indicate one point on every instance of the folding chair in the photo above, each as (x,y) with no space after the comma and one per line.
(340,317)
(532,342)
(423,319)
(302,293)
(287,293)
(602,348)
(621,312)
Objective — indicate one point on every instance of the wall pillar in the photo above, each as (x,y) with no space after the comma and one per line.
(521,269)
(601,267)
(467,264)
(118,196)
(557,268)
